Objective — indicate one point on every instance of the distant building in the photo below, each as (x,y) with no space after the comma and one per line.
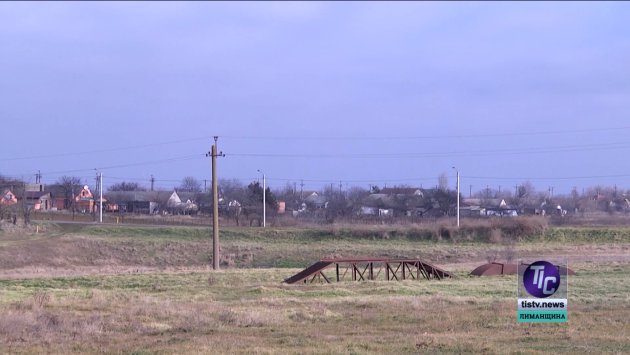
(8,198)
(34,187)
(175,205)
(316,201)
(474,207)
(142,202)
(38,200)
(380,205)
(281,207)
(408,191)
(84,201)
(398,202)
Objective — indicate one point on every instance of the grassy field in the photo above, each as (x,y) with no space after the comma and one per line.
(87,289)
(250,311)
(79,248)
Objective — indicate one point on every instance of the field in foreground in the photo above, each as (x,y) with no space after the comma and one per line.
(248,311)
(146,290)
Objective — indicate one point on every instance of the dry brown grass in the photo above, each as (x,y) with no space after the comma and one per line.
(250,312)
(113,250)
(492,230)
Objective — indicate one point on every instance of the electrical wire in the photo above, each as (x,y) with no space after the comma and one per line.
(109,150)
(446,136)
(506,151)
(149,162)
(321,138)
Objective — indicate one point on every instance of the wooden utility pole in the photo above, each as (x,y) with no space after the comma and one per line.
(215,209)
(95,190)
(100,192)
(215,206)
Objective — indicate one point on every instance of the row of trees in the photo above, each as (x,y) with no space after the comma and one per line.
(346,202)
(188,184)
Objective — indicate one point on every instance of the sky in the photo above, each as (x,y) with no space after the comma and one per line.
(355,93)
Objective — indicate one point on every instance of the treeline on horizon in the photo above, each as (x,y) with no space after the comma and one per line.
(598,197)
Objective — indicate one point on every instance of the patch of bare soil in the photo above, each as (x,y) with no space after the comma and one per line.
(71,252)
(39,255)
(36,272)
(599,254)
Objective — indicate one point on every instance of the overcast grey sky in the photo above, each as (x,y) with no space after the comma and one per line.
(363,93)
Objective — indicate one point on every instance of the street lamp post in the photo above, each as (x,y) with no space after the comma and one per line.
(457,196)
(264,199)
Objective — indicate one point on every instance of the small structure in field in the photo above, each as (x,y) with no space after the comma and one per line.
(493,269)
(363,269)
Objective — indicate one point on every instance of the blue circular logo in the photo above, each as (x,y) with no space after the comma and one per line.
(541,279)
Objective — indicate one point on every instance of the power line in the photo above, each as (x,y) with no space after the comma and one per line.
(58,155)
(327,181)
(340,138)
(148,180)
(586,177)
(508,151)
(336,180)
(450,136)
(149,162)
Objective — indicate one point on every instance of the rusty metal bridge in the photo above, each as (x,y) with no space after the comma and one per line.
(363,269)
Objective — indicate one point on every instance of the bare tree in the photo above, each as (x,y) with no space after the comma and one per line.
(68,185)
(357,194)
(25,207)
(443,182)
(289,195)
(575,195)
(190,184)
(126,186)
(525,190)
(232,190)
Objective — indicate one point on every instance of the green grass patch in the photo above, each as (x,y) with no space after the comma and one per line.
(416,234)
